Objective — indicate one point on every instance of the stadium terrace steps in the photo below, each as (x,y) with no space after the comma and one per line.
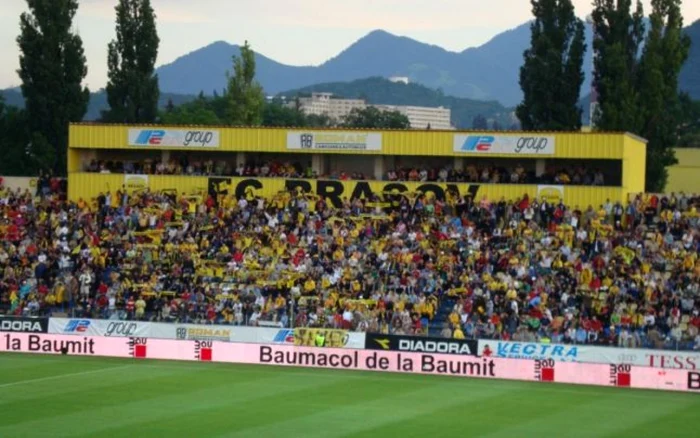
(440,320)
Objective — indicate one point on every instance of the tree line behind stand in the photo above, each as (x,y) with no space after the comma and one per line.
(212,110)
(635,76)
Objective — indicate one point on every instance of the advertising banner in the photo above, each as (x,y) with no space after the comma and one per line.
(200,332)
(420,344)
(591,354)
(23,324)
(261,335)
(547,370)
(331,338)
(270,324)
(551,194)
(98,327)
(331,140)
(335,191)
(20,183)
(208,138)
(195,332)
(524,350)
(685,360)
(298,336)
(512,144)
(135,183)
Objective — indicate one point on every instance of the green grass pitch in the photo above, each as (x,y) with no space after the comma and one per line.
(56,396)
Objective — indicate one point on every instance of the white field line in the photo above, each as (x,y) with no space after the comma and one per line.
(60,376)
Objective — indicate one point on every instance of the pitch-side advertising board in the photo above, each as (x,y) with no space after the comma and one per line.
(420,344)
(194,332)
(547,370)
(23,324)
(666,359)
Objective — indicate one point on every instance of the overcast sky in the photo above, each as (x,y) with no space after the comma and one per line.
(297,32)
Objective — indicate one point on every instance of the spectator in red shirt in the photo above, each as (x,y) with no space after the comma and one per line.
(130,306)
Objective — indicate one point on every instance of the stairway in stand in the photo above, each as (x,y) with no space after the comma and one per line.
(440,320)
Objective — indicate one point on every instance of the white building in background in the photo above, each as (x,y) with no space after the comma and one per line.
(399,79)
(418,116)
(422,117)
(324,103)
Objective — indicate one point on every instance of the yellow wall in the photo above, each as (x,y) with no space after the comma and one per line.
(633,166)
(74,164)
(85,139)
(422,143)
(685,176)
(88,185)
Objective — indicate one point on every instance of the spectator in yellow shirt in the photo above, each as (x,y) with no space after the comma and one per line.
(140,308)
(309,286)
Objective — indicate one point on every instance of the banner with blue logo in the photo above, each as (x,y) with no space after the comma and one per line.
(528,350)
(164,137)
(689,360)
(191,332)
(505,144)
(99,327)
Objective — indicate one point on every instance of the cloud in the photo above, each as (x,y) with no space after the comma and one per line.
(182,17)
(396,15)
(404,15)
(101,9)
(167,11)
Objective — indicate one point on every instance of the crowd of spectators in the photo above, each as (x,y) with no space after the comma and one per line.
(472,173)
(520,269)
(493,174)
(185,166)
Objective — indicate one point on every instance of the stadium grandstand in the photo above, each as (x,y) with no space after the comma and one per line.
(188,249)
(195,225)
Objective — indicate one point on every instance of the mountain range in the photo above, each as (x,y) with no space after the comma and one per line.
(487,72)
